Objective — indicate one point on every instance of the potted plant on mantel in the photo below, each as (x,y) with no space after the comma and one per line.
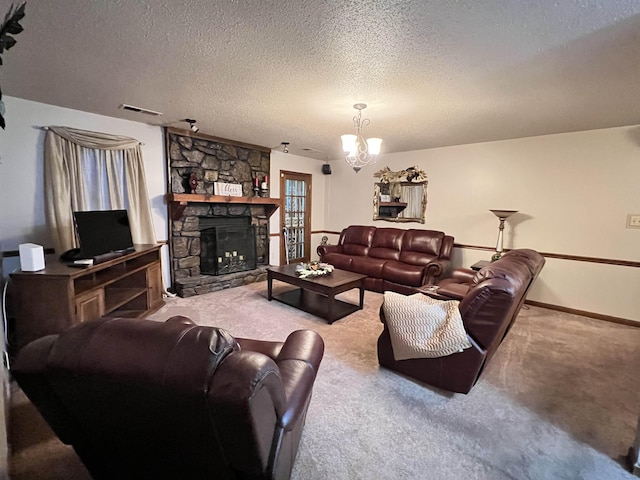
(10,26)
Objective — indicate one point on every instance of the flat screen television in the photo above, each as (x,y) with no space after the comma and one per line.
(103,231)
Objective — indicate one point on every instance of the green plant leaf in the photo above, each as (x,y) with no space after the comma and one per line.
(10,26)
(14,28)
(7,42)
(16,14)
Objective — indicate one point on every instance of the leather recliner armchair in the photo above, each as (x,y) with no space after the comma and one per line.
(490,301)
(139,399)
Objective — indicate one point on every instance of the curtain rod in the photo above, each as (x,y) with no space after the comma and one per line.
(44,127)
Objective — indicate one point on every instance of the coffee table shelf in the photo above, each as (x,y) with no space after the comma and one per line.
(316,295)
(316,304)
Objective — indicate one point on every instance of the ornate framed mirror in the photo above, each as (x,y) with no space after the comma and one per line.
(400,196)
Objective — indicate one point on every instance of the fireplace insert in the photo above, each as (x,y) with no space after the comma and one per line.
(227,245)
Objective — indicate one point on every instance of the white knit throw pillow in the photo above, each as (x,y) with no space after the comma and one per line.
(423,327)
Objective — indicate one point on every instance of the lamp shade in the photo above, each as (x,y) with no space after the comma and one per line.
(373,145)
(503,213)
(349,144)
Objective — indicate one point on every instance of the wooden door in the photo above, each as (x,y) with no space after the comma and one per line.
(295,217)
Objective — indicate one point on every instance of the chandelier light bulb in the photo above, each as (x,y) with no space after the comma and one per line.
(374,145)
(349,144)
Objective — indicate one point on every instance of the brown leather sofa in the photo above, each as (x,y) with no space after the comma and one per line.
(490,301)
(139,399)
(391,258)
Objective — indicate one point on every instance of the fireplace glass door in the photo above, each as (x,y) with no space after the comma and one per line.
(227,245)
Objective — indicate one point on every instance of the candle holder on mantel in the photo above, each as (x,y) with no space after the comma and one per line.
(264,187)
(502,215)
(256,187)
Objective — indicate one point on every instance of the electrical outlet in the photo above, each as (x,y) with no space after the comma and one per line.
(633,220)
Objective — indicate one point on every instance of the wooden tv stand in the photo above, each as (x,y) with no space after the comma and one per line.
(58,297)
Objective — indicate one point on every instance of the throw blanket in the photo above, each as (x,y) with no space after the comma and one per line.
(423,327)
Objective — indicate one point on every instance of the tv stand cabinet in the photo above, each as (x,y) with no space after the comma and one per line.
(58,297)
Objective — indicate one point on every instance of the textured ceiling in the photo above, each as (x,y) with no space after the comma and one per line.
(434,73)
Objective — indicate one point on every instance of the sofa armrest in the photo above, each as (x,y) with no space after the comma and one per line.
(457,284)
(325,249)
(298,363)
(463,275)
(434,269)
(455,291)
(433,291)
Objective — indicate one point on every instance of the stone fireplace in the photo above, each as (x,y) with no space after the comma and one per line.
(216,241)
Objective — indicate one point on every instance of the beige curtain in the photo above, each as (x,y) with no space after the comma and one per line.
(65,157)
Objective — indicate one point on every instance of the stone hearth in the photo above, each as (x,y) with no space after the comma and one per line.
(185,245)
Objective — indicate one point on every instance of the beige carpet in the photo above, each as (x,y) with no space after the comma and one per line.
(560,400)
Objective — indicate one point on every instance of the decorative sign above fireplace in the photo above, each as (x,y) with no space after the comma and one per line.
(227,189)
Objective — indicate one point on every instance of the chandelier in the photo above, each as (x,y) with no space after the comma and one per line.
(358,151)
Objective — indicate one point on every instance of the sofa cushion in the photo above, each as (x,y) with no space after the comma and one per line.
(338,260)
(403,273)
(371,267)
(419,247)
(357,240)
(355,249)
(384,253)
(386,243)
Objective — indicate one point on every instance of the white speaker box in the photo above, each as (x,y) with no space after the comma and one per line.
(31,257)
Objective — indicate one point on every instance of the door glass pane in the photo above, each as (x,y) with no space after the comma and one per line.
(294,219)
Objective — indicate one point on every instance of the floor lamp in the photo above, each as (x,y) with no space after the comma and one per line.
(502,215)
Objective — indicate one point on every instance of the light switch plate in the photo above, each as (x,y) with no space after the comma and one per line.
(633,220)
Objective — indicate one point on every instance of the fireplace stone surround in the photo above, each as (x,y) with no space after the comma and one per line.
(212,159)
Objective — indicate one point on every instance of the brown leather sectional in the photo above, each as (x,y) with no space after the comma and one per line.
(490,300)
(392,258)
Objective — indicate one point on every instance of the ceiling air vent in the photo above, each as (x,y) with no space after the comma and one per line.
(146,111)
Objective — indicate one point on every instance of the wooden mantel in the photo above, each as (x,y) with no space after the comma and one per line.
(180,201)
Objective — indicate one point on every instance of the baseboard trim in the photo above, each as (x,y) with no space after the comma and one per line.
(574,311)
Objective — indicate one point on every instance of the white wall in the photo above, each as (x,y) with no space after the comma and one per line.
(573,192)
(22,216)
(294,163)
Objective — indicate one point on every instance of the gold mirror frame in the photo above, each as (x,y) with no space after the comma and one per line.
(396,186)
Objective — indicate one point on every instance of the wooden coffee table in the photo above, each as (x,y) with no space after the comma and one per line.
(316,295)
